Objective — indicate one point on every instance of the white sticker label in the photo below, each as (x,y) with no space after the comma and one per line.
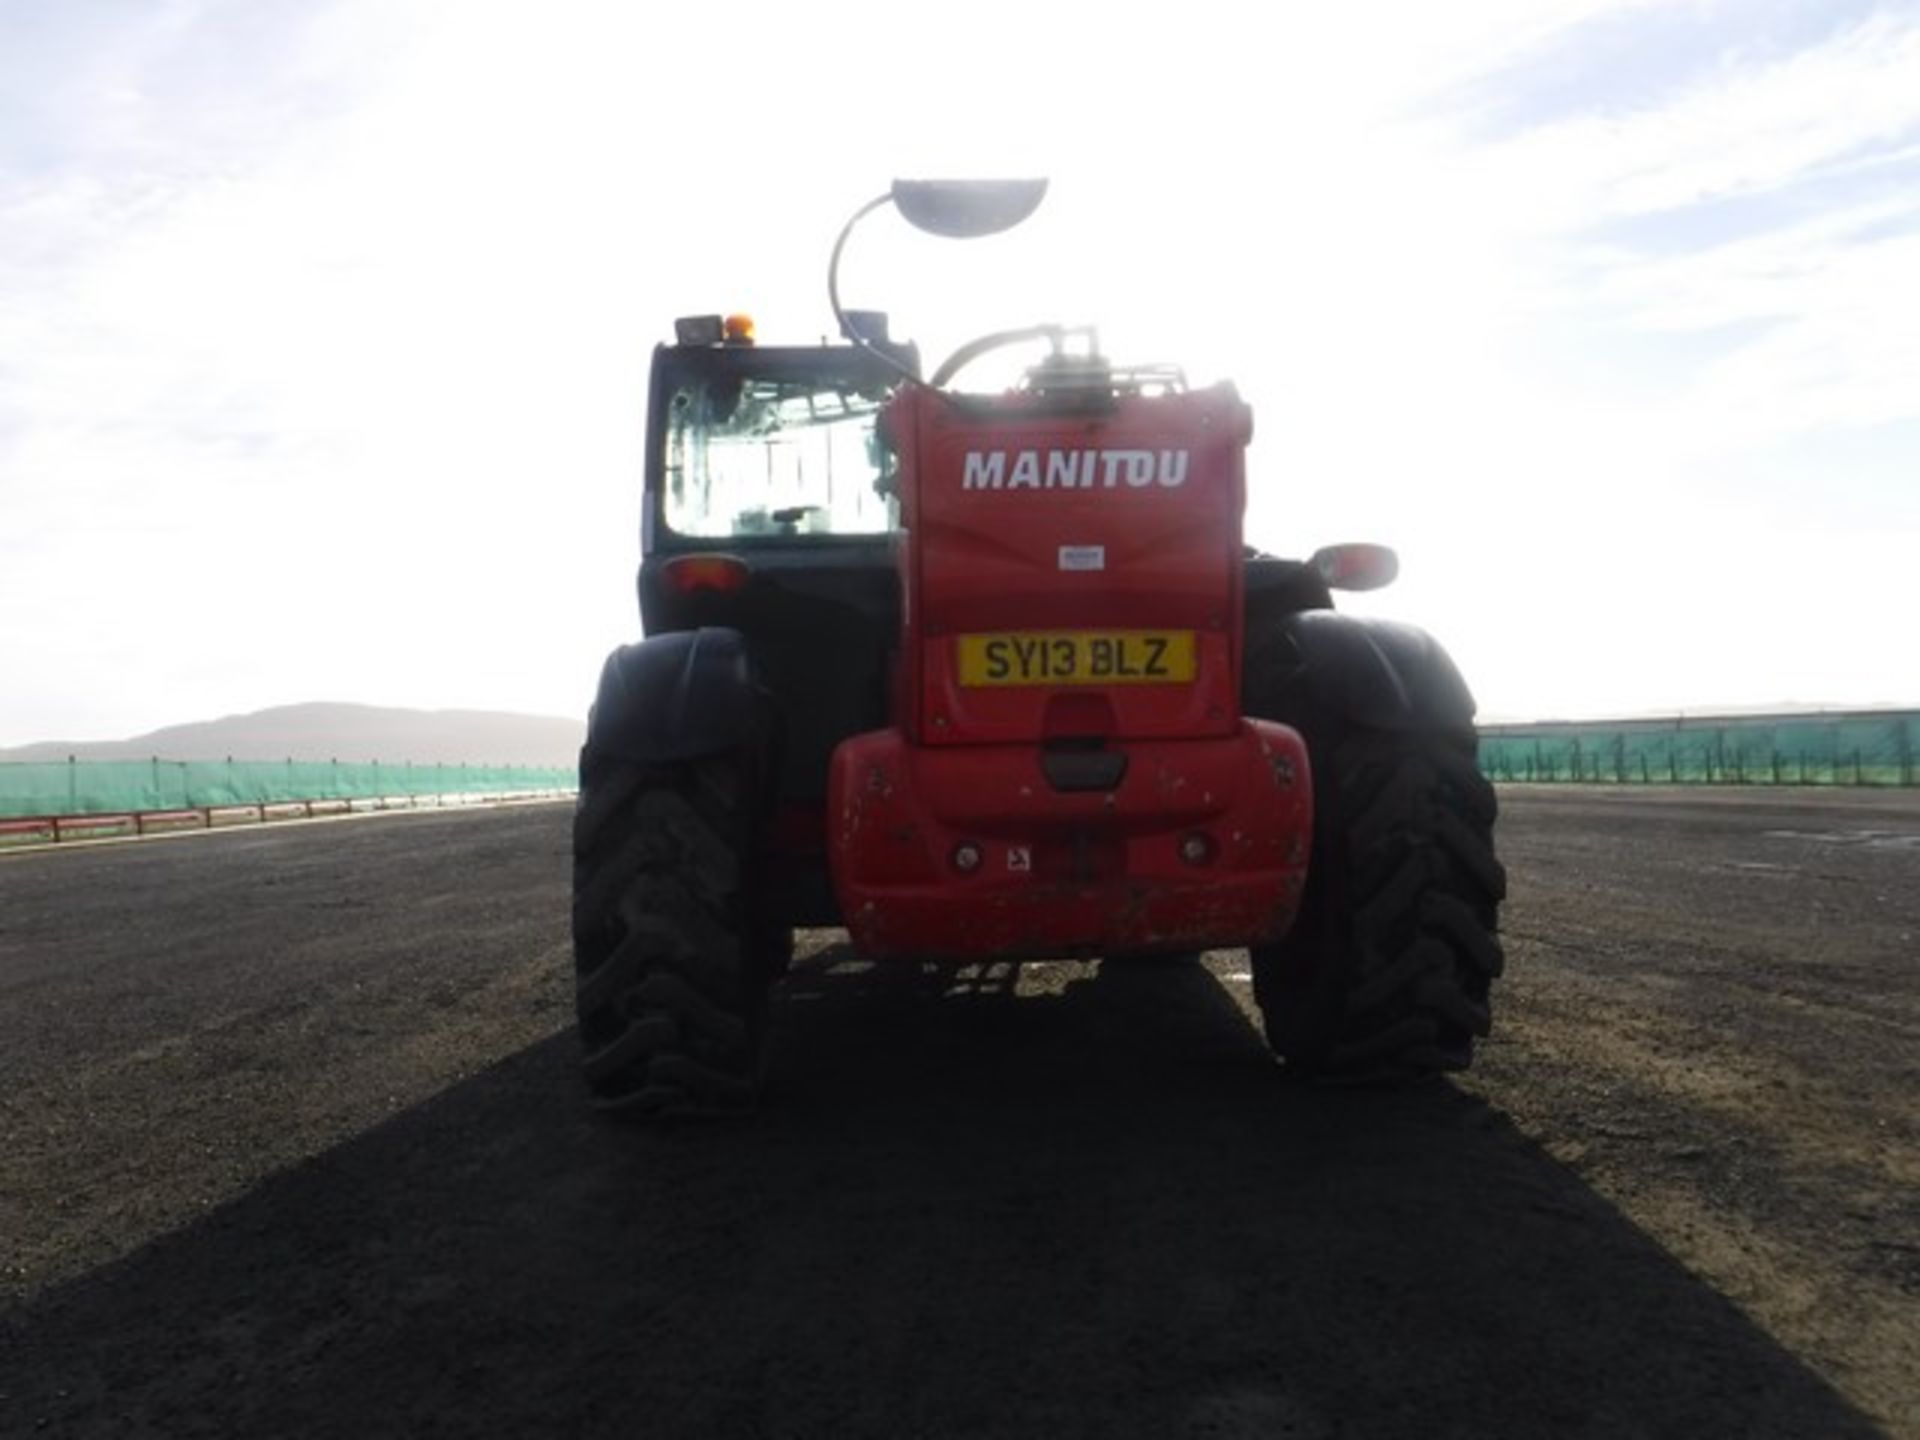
(1019,857)
(1083,557)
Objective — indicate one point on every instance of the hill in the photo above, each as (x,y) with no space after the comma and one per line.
(329,731)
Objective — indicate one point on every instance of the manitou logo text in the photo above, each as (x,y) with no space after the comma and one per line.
(1072,469)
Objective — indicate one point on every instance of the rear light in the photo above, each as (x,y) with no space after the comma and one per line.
(1356,567)
(966,857)
(1197,848)
(726,574)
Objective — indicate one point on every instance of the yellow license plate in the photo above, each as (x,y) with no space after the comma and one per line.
(1078,657)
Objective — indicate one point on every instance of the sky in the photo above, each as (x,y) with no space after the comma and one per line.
(324,326)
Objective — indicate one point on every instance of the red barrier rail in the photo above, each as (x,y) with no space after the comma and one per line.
(55,828)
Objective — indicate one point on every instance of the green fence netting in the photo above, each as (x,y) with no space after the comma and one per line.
(1860,748)
(100,787)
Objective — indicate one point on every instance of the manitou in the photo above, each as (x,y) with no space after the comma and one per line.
(994,676)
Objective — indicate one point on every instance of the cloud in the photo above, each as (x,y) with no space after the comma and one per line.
(1735,256)
(1726,129)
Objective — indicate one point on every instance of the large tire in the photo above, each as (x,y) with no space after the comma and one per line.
(670,986)
(1387,971)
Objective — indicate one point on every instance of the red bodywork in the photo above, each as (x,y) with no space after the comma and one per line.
(1179,825)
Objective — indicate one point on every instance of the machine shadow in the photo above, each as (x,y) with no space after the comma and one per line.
(968,1211)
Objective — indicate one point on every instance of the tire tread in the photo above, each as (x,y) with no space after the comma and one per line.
(669,1004)
(1387,972)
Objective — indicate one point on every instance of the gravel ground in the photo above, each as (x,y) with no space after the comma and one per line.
(291,1144)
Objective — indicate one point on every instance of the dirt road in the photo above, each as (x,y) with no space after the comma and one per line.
(291,1144)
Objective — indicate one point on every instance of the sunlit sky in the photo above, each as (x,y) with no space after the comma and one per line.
(324,326)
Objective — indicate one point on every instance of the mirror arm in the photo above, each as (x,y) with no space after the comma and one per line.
(852,332)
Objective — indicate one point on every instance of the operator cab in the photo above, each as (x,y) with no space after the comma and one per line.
(750,444)
(768,511)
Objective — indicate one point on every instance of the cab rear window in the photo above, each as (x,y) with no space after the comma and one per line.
(751,456)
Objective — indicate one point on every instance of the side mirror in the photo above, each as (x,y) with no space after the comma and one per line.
(967,209)
(1355,567)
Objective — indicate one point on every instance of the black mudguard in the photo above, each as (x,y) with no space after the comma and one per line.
(677,696)
(1376,673)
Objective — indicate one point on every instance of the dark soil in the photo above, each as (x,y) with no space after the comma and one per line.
(292,1143)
